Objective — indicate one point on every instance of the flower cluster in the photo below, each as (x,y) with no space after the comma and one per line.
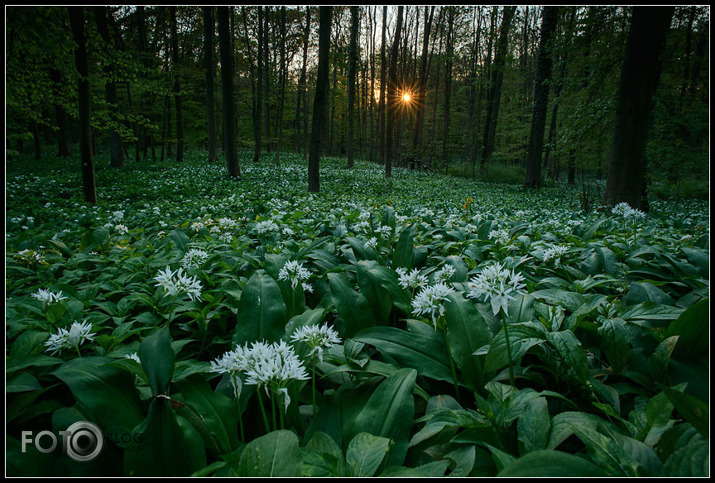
(445,274)
(175,283)
(555,253)
(316,337)
(47,296)
(70,339)
(266,227)
(370,243)
(272,366)
(500,236)
(624,209)
(498,285)
(429,301)
(294,272)
(412,280)
(194,258)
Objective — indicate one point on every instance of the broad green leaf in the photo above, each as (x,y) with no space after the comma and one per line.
(216,411)
(404,250)
(615,343)
(365,453)
(180,240)
(533,426)
(463,459)
(550,463)
(467,332)
(522,337)
(435,469)
(275,454)
(658,361)
(22,382)
(388,413)
(692,328)
(692,409)
(108,392)
(157,358)
(262,313)
(406,349)
(164,444)
(571,301)
(569,348)
(353,308)
(700,259)
(691,460)
(323,456)
(640,292)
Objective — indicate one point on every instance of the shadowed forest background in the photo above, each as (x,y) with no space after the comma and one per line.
(156,88)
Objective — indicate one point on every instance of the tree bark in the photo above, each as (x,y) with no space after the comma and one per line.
(210,74)
(282,84)
(258,114)
(353,59)
(320,103)
(177,88)
(383,84)
(229,116)
(541,97)
(301,142)
(447,89)
(392,95)
(626,180)
(80,54)
(422,86)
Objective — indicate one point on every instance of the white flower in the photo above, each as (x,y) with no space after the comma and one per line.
(316,337)
(197,226)
(555,252)
(266,226)
(70,339)
(499,236)
(411,280)
(445,273)
(429,301)
(121,229)
(194,258)
(294,272)
(384,230)
(47,296)
(371,243)
(133,356)
(179,283)
(497,284)
(624,209)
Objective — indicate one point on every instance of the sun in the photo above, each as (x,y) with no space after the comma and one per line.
(406,97)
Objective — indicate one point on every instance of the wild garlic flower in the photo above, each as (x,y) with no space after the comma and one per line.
(70,339)
(47,296)
(500,236)
(498,285)
(371,243)
(316,337)
(294,272)
(266,227)
(121,229)
(133,356)
(555,253)
(429,301)
(194,258)
(445,273)
(624,209)
(410,280)
(385,231)
(175,283)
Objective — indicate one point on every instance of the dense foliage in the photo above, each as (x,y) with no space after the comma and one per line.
(415,326)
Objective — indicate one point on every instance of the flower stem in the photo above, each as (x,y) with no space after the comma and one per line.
(314,405)
(238,410)
(273,409)
(263,411)
(508,350)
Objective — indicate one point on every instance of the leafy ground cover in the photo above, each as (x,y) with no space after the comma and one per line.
(416,326)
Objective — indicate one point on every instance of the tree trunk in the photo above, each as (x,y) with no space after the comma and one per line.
(626,180)
(116,148)
(266,82)
(495,90)
(541,97)
(85,139)
(301,142)
(282,84)
(422,86)
(392,95)
(177,88)
(210,73)
(353,60)
(63,142)
(383,84)
(447,89)
(229,115)
(320,104)
(258,115)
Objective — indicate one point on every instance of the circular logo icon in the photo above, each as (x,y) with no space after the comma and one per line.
(85,441)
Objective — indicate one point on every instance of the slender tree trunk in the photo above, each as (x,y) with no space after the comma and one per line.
(80,54)
(177,88)
(63,143)
(116,147)
(422,86)
(266,81)
(353,59)
(321,100)
(229,116)
(392,94)
(258,116)
(282,82)
(626,180)
(495,90)
(447,89)
(541,97)
(383,84)
(301,103)
(210,73)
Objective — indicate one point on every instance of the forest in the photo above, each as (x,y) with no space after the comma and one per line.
(357,241)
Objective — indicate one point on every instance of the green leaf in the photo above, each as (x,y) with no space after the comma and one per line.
(365,453)
(262,313)
(323,456)
(387,413)
(180,239)
(108,392)
(22,382)
(571,301)
(406,349)
(550,463)
(216,411)
(569,348)
(272,455)
(404,249)
(692,328)
(352,306)
(157,359)
(640,292)
(533,426)
(606,452)
(691,460)
(615,343)
(164,444)
(379,286)
(522,337)
(692,409)
(467,332)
